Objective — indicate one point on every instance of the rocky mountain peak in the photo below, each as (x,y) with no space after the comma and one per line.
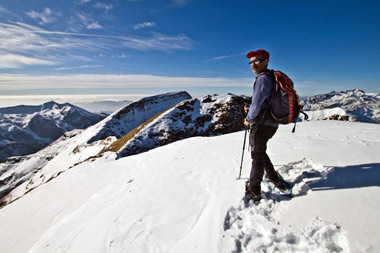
(361,106)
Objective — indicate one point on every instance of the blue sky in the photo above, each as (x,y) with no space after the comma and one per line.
(79,47)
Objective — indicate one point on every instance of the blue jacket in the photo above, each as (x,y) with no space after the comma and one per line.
(261,92)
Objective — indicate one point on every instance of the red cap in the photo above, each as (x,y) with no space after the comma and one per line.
(258,52)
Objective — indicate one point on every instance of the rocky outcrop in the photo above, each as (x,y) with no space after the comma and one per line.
(205,116)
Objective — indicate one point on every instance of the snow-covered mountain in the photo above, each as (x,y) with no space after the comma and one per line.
(145,124)
(184,197)
(351,105)
(19,175)
(26,129)
(204,116)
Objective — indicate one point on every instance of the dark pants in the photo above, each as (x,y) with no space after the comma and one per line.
(258,139)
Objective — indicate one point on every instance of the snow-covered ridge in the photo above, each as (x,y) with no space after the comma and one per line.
(26,129)
(204,116)
(131,116)
(356,104)
(19,175)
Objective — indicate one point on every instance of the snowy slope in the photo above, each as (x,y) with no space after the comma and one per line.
(27,129)
(131,116)
(20,175)
(356,104)
(184,197)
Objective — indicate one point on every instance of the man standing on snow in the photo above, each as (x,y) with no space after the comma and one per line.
(262,126)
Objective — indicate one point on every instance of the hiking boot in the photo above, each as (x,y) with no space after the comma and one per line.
(251,195)
(279,185)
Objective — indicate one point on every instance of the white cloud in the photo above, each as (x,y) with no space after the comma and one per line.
(224,57)
(86,21)
(34,42)
(22,44)
(159,42)
(94,25)
(80,67)
(121,56)
(11,61)
(44,17)
(144,25)
(24,82)
(13,100)
(104,6)
(23,38)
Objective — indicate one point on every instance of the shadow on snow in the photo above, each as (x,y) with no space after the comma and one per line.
(355,176)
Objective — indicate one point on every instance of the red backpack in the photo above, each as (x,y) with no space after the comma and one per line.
(284,103)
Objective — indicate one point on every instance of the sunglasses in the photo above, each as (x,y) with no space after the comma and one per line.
(255,62)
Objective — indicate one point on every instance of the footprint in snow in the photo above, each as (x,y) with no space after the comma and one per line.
(256,228)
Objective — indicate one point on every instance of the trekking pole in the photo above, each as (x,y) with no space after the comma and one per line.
(242,155)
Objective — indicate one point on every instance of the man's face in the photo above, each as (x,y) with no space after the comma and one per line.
(258,64)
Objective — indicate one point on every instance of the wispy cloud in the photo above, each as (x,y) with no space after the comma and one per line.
(144,25)
(12,61)
(86,21)
(121,56)
(94,25)
(224,57)
(23,38)
(79,67)
(6,14)
(44,17)
(23,44)
(159,42)
(33,42)
(104,6)
(26,82)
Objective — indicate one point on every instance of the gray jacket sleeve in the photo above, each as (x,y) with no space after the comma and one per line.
(261,92)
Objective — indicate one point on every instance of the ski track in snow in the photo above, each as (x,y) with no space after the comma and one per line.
(257,228)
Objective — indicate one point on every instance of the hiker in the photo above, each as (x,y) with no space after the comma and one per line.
(262,126)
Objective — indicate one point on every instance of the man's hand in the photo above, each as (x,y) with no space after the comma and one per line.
(246,108)
(246,122)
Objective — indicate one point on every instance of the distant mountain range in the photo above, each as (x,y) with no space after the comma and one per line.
(103,107)
(355,104)
(26,129)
